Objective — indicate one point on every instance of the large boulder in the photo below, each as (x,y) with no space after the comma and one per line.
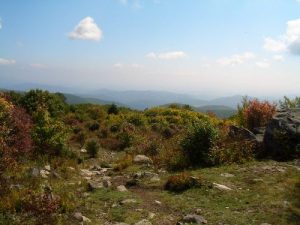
(142,159)
(282,135)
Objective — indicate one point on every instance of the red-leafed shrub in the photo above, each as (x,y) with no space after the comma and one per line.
(258,113)
(15,133)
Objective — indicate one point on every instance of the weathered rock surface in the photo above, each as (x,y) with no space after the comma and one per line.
(142,159)
(282,135)
(193,218)
(240,132)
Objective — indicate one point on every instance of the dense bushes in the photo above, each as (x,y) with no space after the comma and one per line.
(49,134)
(38,99)
(198,142)
(255,113)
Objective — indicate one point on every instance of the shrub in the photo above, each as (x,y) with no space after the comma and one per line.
(95,126)
(181,182)
(288,103)
(38,99)
(113,109)
(196,145)
(258,114)
(49,134)
(234,151)
(255,113)
(126,140)
(92,148)
(124,162)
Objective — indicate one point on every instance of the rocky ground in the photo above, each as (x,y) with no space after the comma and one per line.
(265,192)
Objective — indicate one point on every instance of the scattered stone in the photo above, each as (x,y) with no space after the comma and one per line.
(128,201)
(92,185)
(198,211)
(86,173)
(83,150)
(155,178)
(107,183)
(44,173)
(81,218)
(121,224)
(122,188)
(86,220)
(142,159)
(95,168)
(227,175)
(157,202)
(71,168)
(222,187)
(193,218)
(47,167)
(143,222)
(151,215)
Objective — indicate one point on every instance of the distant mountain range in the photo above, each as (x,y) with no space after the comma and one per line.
(222,107)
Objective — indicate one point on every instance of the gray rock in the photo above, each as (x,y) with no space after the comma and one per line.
(122,188)
(47,167)
(282,135)
(193,218)
(227,175)
(93,185)
(142,159)
(78,216)
(240,132)
(107,183)
(221,187)
(143,222)
(44,173)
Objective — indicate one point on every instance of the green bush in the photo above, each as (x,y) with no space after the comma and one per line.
(92,148)
(49,134)
(196,145)
(113,109)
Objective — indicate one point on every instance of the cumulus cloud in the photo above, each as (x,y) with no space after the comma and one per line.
(278,57)
(7,61)
(289,41)
(274,45)
(263,64)
(236,59)
(167,55)
(87,29)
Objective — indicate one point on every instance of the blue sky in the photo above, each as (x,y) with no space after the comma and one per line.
(211,47)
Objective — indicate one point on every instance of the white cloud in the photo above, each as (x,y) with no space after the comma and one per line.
(263,64)
(0,24)
(288,41)
(278,57)
(38,66)
(167,55)
(236,59)
(274,45)
(7,61)
(87,29)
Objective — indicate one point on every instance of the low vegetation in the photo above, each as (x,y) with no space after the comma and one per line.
(47,146)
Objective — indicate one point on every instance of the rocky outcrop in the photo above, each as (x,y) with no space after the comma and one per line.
(282,135)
